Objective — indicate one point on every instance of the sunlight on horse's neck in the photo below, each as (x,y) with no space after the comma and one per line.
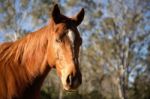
(24,61)
(34,56)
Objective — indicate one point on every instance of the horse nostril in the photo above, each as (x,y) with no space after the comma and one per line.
(70,80)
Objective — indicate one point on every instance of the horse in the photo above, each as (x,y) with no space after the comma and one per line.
(25,63)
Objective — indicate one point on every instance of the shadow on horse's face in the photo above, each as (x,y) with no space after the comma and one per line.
(65,44)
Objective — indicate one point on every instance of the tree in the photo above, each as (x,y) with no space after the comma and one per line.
(19,17)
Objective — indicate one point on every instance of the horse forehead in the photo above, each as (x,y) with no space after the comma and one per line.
(71,35)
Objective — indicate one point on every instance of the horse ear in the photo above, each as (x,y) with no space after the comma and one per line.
(79,17)
(56,14)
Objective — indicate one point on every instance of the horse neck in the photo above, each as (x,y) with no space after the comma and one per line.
(35,59)
(24,62)
(34,56)
(28,56)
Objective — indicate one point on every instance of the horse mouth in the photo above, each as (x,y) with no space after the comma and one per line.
(70,90)
(75,90)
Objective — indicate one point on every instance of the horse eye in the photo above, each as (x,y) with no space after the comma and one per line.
(58,40)
(65,32)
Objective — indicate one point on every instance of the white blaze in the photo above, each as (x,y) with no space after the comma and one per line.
(71,36)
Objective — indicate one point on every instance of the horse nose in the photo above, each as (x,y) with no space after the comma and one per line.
(74,81)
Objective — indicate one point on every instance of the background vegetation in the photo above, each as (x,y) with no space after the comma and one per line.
(115,55)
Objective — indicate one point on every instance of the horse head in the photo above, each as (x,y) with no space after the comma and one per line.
(64,46)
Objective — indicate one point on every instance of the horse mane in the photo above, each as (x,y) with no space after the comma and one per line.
(19,61)
(29,43)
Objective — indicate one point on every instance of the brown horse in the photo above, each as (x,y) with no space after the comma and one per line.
(25,63)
